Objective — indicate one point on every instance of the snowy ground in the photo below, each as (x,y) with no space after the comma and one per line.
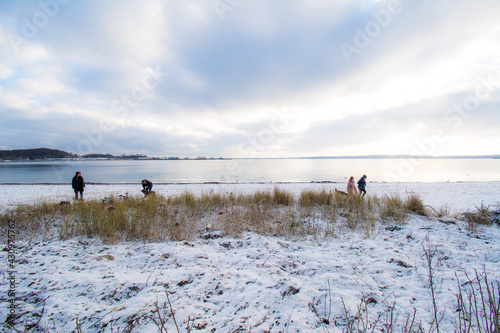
(254,283)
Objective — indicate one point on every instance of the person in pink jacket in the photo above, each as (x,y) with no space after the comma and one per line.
(351,187)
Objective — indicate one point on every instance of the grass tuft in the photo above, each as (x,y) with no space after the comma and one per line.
(309,198)
(414,204)
(482,216)
(282,197)
(393,209)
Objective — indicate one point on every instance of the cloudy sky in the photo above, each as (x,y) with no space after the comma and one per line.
(251,78)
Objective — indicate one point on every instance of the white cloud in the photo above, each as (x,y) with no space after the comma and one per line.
(5,72)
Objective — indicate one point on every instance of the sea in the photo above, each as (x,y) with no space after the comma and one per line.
(253,170)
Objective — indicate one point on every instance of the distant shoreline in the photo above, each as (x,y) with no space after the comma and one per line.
(153,158)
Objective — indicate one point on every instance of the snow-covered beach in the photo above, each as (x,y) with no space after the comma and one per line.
(253,283)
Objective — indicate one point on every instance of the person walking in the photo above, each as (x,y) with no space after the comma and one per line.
(351,187)
(78,185)
(362,186)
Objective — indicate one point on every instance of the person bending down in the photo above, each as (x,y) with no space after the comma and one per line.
(147,186)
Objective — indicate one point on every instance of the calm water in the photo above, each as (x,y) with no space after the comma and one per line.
(253,170)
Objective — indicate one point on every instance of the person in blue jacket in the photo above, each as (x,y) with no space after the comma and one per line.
(362,186)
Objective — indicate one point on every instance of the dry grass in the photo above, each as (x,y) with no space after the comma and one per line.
(415,205)
(282,197)
(310,198)
(393,209)
(482,216)
(478,303)
(154,218)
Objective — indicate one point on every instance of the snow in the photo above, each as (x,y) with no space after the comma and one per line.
(255,282)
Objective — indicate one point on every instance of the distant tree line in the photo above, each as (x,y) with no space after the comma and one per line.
(46,153)
(109,156)
(98,156)
(34,154)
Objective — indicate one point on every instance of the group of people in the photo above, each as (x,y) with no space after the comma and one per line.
(78,185)
(351,186)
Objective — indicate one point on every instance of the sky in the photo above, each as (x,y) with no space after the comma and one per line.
(251,78)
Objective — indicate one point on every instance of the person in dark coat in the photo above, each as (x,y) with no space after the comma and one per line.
(78,185)
(147,186)
(362,186)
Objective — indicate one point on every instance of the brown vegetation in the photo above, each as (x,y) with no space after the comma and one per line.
(184,217)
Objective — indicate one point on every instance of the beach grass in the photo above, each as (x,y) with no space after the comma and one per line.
(481,216)
(319,214)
